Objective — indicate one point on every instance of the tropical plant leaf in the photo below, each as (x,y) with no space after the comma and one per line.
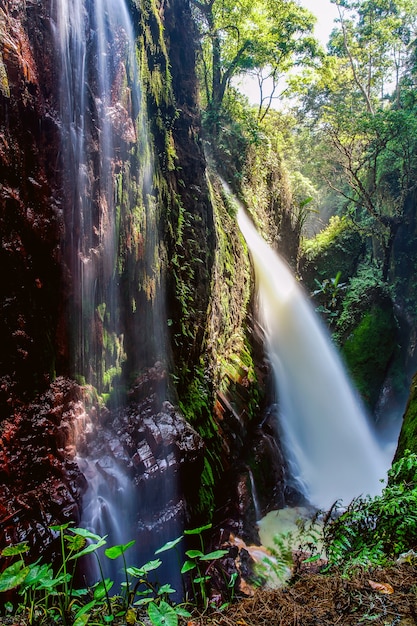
(102,588)
(92,547)
(162,614)
(165,589)
(13,576)
(83,532)
(197,531)
(188,565)
(18,548)
(194,554)
(169,545)
(212,556)
(115,551)
(140,572)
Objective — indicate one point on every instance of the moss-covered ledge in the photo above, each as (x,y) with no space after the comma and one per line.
(408,435)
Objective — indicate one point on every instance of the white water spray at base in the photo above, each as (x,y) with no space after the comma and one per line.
(330,448)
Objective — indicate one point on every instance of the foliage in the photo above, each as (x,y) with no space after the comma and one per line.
(250,36)
(373,530)
(329,290)
(47,594)
(363,290)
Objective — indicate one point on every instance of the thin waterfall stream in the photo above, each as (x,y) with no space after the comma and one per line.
(330,447)
(103,127)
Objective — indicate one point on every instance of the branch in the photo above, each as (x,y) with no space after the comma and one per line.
(352,63)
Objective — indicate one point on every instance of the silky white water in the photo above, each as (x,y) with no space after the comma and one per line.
(99,99)
(329,445)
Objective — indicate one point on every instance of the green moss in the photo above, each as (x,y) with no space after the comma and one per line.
(408,436)
(369,350)
(338,248)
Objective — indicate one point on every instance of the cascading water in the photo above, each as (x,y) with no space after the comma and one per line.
(331,450)
(104,144)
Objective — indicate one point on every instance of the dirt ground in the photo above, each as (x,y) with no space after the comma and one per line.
(381,597)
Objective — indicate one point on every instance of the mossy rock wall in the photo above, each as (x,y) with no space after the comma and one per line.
(408,435)
(369,350)
(338,248)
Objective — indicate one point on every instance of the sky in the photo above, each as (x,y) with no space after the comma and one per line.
(325,13)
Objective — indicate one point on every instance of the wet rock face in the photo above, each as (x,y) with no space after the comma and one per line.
(46,446)
(153,446)
(30,218)
(41,485)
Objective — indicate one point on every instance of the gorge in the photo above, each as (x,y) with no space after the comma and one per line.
(135,378)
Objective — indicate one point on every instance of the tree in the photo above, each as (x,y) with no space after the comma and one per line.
(250,35)
(371,135)
(374,36)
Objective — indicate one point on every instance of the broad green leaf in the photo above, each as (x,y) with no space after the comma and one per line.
(115,551)
(169,545)
(51,583)
(188,565)
(165,589)
(102,587)
(13,576)
(162,615)
(143,601)
(140,572)
(92,547)
(197,531)
(84,609)
(78,593)
(83,532)
(18,548)
(75,542)
(108,618)
(212,556)
(194,554)
(38,573)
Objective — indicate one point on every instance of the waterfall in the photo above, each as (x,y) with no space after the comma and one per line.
(331,450)
(107,217)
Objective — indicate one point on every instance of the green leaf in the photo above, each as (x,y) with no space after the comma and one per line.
(108,618)
(182,612)
(143,601)
(169,545)
(140,572)
(92,547)
(197,531)
(194,554)
(13,576)
(201,579)
(102,588)
(188,566)
(83,532)
(162,615)
(115,551)
(75,542)
(78,593)
(212,556)
(82,620)
(18,548)
(84,609)
(38,573)
(165,589)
